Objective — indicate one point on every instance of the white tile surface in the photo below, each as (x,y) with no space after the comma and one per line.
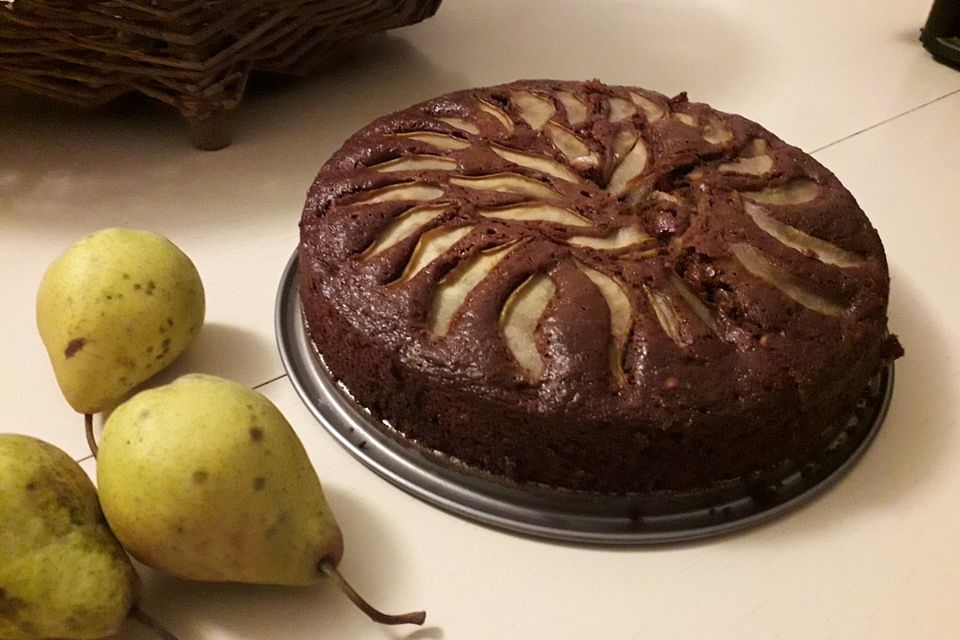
(876,558)
(811,71)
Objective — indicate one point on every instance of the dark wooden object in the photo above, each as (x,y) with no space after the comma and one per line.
(941,34)
(194,55)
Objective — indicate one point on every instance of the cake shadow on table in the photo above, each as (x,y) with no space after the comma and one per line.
(909,450)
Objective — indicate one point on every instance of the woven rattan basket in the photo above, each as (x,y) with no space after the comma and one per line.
(194,55)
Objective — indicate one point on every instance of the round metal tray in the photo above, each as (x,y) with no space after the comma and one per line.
(559,514)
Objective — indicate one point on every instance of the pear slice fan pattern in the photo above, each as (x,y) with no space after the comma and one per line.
(534,184)
(536,238)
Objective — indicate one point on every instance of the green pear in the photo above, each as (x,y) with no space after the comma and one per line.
(116,308)
(62,573)
(206,480)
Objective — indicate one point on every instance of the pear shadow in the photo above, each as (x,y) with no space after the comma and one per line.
(908,451)
(193,609)
(424,633)
(226,351)
(368,557)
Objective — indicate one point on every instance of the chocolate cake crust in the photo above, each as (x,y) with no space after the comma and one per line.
(592,287)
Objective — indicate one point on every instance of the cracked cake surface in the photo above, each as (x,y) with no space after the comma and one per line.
(592,287)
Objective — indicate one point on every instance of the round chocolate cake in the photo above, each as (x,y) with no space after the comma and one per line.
(592,287)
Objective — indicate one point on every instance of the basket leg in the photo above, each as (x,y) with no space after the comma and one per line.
(212,131)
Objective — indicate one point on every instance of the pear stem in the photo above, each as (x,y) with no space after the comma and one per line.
(414,617)
(141,616)
(91,441)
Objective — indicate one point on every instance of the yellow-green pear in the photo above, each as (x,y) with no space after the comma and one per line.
(62,573)
(205,479)
(116,308)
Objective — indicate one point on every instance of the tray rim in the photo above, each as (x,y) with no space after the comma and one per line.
(473,497)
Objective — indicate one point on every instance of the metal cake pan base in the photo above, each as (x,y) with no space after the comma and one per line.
(558,514)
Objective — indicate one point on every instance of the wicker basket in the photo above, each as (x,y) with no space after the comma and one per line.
(194,55)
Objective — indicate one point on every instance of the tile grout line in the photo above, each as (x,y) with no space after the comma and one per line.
(885,121)
(263,384)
